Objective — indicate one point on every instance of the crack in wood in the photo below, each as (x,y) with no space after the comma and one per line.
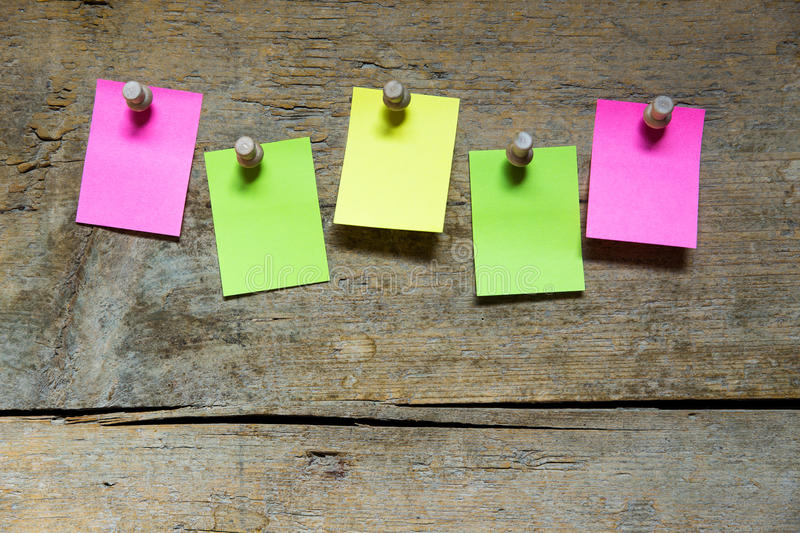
(687,404)
(397,418)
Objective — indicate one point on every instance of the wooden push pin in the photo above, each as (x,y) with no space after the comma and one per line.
(248,153)
(658,113)
(138,96)
(395,96)
(520,151)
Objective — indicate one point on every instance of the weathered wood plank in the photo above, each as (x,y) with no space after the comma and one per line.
(94,317)
(628,471)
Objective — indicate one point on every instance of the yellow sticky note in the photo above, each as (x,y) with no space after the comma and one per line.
(396,169)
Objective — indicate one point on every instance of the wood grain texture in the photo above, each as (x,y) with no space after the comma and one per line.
(628,471)
(95,317)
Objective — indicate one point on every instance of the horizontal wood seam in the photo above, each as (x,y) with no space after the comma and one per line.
(105,416)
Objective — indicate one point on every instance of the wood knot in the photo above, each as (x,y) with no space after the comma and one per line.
(326,464)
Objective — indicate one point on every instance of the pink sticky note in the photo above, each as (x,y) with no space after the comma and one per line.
(644,183)
(137,164)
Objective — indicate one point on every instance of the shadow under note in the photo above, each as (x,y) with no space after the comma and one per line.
(233,297)
(420,245)
(275,290)
(517,298)
(143,234)
(651,255)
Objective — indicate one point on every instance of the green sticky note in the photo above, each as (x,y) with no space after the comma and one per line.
(526,222)
(396,168)
(266,219)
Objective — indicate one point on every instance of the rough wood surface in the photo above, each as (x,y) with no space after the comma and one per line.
(628,471)
(93,317)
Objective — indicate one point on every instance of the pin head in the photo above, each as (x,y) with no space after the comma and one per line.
(245,146)
(137,96)
(395,96)
(658,113)
(520,152)
(662,106)
(248,153)
(133,91)
(523,142)
(393,90)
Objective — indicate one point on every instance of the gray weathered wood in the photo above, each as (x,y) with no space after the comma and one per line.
(94,317)
(627,471)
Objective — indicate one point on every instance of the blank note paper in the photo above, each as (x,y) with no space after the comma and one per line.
(138,164)
(266,219)
(396,169)
(526,222)
(644,183)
